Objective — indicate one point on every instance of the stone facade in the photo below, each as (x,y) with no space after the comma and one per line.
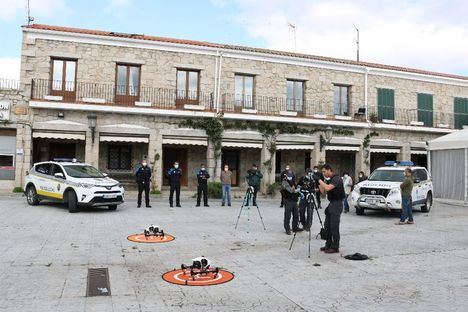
(96,64)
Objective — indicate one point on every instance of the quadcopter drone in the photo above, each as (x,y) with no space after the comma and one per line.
(153,230)
(200,266)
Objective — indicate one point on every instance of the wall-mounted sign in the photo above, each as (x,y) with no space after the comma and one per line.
(4,110)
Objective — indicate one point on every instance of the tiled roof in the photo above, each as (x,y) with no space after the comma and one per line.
(240,48)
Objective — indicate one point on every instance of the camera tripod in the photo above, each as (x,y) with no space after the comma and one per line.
(311,205)
(246,203)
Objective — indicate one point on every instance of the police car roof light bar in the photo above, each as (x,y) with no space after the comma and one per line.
(393,163)
(73,160)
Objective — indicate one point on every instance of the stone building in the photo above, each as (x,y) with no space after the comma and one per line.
(111,98)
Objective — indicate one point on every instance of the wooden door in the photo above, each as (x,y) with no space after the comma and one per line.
(170,155)
(231,158)
(62,150)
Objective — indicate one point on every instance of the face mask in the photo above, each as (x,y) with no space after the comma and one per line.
(287,168)
(226,169)
(176,166)
(289,178)
(144,164)
(310,175)
(360,175)
(345,175)
(315,170)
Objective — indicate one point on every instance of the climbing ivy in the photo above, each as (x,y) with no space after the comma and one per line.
(366,144)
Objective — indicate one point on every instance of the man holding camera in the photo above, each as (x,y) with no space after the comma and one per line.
(290,196)
(254,176)
(318,176)
(202,177)
(335,193)
(307,185)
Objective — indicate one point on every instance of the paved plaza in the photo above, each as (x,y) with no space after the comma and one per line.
(46,252)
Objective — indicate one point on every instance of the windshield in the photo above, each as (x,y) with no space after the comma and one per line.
(388,175)
(78,171)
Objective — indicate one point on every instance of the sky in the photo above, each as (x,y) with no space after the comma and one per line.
(424,34)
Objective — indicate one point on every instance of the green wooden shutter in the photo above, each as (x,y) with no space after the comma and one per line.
(386,104)
(425,109)
(460,109)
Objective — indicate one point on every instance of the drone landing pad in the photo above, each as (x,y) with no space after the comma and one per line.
(141,238)
(179,277)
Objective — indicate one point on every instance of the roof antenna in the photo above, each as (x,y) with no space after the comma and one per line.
(293,27)
(30,18)
(357,42)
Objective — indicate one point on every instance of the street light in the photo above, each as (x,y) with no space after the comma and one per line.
(328,136)
(92,120)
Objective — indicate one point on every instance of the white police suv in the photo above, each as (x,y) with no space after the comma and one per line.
(73,183)
(382,190)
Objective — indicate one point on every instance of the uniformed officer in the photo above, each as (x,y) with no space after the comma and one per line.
(143,177)
(202,177)
(175,174)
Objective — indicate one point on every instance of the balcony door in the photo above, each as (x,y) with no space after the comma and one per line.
(63,79)
(127,84)
(187,87)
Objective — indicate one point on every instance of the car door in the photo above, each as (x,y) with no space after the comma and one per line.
(424,185)
(416,193)
(43,182)
(58,184)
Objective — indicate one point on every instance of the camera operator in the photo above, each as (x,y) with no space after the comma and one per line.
(335,193)
(290,195)
(318,176)
(307,185)
(254,176)
(282,174)
(202,178)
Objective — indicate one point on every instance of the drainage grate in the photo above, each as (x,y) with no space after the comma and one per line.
(98,282)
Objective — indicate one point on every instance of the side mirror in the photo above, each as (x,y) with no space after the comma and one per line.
(59,175)
(417,181)
(105,175)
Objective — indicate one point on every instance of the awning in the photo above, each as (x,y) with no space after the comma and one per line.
(342,148)
(385,150)
(186,141)
(120,138)
(307,147)
(59,135)
(418,152)
(242,144)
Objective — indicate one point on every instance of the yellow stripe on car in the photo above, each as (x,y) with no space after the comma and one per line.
(49,194)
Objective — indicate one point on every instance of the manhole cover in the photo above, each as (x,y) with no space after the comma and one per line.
(98,282)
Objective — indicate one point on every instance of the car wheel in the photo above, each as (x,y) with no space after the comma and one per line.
(427,207)
(72,202)
(112,207)
(31,196)
(359,211)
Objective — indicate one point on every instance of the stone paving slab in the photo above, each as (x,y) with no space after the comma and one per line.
(46,252)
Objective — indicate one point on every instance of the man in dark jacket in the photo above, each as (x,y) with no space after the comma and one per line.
(290,196)
(143,178)
(318,176)
(175,174)
(307,185)
(282,174)
(254,176)
(202,177)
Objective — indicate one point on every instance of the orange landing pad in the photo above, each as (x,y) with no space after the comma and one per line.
(140,238)
(181,277)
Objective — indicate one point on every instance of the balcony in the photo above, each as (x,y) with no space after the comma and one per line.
(171,99)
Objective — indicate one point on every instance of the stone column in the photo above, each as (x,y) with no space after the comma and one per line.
(317,156)
(155,159)
(360,164)
(405,153)
(92,149)
(213,165)
(23,161)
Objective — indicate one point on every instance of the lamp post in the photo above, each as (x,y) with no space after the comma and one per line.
(92,120)
(328,136)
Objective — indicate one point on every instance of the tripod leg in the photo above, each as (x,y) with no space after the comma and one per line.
(292,242)
(258,209)
(240,212)
(310,230)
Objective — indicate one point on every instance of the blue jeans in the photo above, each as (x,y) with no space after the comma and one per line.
(345,202)
(226,194)
(407,209)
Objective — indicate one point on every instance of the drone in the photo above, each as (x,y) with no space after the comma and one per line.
(153,230)
(200,266)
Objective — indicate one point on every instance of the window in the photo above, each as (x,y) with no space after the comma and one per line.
(56,169)
(6,161)
(460,112)
(43,168)
(420,174)
(127,81)
(7,167)
(386,104)
(244,88)
(425,109)
(119,157)
(341,99)
(294,95)
(63,77)
(187,84)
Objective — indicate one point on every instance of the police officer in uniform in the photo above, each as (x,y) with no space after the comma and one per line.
(143,177)
(202,177)
(175,174)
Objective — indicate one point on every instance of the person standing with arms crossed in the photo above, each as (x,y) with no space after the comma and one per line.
(406,200)
(202,177)
(226,182)
(335,193)
(143,177)
(175,174)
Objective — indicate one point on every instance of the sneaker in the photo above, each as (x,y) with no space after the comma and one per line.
(197,205)
(139,206)
(171,206)
(331,250)
(298,230)
(206,205)
(400,223)
(178,205)
(324,248)
(288,232)
(148,206)
(307,229)
(229,205)
(346,211)
(222,205)
(409,222)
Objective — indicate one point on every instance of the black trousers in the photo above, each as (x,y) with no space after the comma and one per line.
(319,201)
(290,208)
(332,223)
(305,213)
(174,188)
(143,186)
(254,196)
(202,188)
